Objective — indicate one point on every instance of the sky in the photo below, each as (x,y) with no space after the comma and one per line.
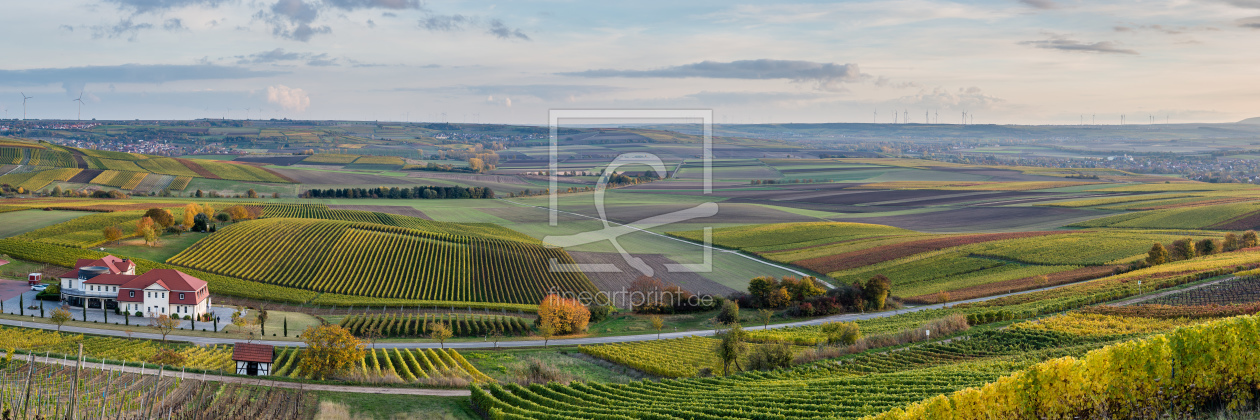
(1000,61)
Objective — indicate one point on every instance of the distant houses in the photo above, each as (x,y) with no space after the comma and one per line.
(112,283)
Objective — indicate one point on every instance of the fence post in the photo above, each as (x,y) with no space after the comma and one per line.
(74,393)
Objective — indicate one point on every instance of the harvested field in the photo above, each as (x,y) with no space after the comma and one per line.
(500,179)
(154,182)
(399,210)
(1018,285)
(727,213)
(855,259)
(202,172)
(986,219)
(340,178)
(617,282)
(1246,222)
(271,160)
(85,176)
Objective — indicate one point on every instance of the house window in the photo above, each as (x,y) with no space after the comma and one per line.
(132,293)
(163,310)
(181,296)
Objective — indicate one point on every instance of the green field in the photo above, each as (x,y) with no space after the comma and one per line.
(19,222)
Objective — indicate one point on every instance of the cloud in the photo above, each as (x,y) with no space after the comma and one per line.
(1040,4)
(824,75)
(545,92)
(127,73)
(156,6)
(445,23)
(373,4)
(971,98)
(1065,44)
(1251,22)
(174,24)
(279,55)
(754,98)
(123,27)
(497,28)
(288,98)
(1248,4)
(457,22)
(1169,30)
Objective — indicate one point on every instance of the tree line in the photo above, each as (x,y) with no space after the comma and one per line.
(417,192)
(1187,248)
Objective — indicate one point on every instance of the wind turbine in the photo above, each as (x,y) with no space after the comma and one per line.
(80,101)
(24,98)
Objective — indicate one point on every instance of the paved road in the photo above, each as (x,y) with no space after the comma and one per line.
(258,381)
(229,339)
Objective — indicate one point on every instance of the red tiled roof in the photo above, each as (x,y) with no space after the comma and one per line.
(114,264)
(244,352)
(174,281)
(110,279)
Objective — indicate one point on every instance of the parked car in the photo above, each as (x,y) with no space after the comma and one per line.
(39,287)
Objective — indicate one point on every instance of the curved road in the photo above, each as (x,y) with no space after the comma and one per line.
(521,343)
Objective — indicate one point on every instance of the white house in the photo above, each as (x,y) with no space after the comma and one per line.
(112,282)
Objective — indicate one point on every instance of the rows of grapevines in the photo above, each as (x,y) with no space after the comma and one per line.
(118,179)
(55,158)
(320,211)
(413,325)
(410,365)
(167,166)
(1181,371)
(180,183)
(11,155)
(381,261)
(848,388)
(34,181)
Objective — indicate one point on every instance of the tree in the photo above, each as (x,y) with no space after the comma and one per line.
(190,211)
(761,287)
(1231,242)
(162,217)
(439,331)
(731,347)
(1183,249)
(567,316)
(779,298)
(1157,255)
(942,297)
(286,326)
(223,217)
(57,191)
(60,316)
(150,236)
(876,291)
(1208,246)
(245,323)
(179,229)
(842,333)
(330,351)
(1249,239)
(496,334)
(145,222)
(546,330)
(112,234)
(765,315)
(164,324)
(657,323)
(729,314)
(199,222)
(251,193)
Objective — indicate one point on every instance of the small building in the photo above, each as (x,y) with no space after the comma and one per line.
(34,279)
(253,359)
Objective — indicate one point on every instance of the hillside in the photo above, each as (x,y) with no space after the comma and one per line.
(379,261)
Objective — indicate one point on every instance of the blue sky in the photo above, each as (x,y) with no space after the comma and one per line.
(1030,61)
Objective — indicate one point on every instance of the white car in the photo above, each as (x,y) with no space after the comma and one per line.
(39,287)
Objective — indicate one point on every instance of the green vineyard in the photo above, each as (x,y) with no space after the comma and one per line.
(320,211)
(374,260)
(417,325)
(410,365)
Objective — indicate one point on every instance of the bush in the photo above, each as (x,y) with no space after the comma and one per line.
(139,314)
(842,333)
(729,313)
(567,316)
(537,372)
(771,356)
(601,312)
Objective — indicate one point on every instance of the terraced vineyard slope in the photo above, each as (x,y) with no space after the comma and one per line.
(381,261)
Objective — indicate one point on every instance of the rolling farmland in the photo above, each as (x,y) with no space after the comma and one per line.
(345,258)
